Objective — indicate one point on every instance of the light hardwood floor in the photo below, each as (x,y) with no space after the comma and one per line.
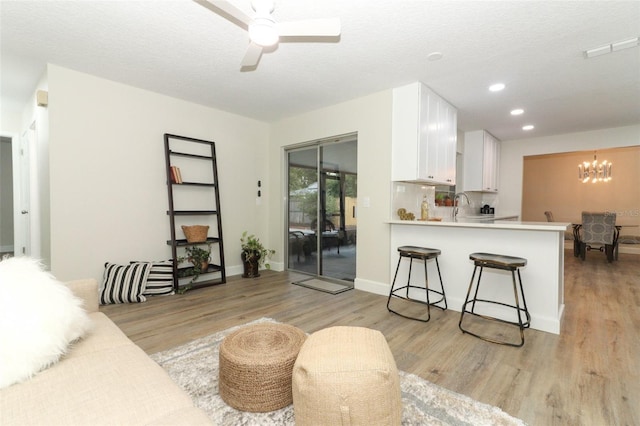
(588,375)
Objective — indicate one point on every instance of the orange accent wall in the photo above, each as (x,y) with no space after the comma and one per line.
(550,182)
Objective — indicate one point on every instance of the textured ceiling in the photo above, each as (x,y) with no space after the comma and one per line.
(183,50)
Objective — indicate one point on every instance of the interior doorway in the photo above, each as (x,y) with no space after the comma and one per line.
(6,196)
(321,208)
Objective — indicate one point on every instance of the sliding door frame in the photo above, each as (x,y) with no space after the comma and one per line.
(320,199)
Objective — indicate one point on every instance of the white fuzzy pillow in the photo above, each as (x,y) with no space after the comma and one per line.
(39,318)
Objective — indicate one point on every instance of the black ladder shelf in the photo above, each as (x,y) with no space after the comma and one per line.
(197,158)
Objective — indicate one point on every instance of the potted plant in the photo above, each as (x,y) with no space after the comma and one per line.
(199,258)
(254,255)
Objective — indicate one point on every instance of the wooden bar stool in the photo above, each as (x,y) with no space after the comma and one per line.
(424,254)
(508,263)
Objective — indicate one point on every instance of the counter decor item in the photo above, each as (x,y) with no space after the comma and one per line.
(254,255)
(424,209)
(442,200)
(405,215)
(195,233)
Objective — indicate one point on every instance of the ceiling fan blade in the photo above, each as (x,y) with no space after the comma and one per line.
(310,28)
(227,11)
(252,56)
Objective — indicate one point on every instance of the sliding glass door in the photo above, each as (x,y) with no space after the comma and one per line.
(322,195)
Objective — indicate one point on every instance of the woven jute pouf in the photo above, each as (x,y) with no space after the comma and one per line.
(256,363)
(346,376)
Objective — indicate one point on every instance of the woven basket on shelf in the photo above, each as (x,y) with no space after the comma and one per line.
(195,233)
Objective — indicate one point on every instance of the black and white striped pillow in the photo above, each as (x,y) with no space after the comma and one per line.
(124,283)
(160,279)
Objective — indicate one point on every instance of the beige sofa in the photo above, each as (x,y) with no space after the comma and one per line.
(105,379)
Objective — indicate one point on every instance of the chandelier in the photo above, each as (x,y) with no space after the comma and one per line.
(594,171)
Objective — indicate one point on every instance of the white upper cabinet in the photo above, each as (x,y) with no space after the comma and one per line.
(424,136)
(481,161)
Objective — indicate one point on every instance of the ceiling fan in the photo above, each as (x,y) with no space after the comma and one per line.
(264,31)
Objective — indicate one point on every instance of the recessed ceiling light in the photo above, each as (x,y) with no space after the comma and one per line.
(497,87)
(528,127)
(517,111)
(434,56)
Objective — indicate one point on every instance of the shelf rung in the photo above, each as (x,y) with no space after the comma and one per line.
(211,184)
(201,284)
(186,154)
(193,212)
(184,242)
(212,268)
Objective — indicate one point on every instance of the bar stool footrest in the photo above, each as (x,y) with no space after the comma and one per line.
(520,327)
(525,324)
(423,302)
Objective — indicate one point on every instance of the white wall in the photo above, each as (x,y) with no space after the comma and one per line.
(9,121)
(40,197)
(107,169)
(513,152)
(370,117)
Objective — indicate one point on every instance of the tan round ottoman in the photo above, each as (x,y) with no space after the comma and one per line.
(256,363)
(346,376)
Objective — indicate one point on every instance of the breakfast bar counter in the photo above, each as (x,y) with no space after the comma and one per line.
(541,243)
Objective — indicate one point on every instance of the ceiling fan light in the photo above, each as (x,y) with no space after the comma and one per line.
(262,32)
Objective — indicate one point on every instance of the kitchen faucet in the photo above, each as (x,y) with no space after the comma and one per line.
(455,204)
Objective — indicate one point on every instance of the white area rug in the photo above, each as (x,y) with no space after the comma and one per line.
(194,366)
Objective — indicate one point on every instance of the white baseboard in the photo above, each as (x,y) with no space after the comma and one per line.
(372,286)
(277,266)
(234,270)
(239,269)
(5,249)
(629,248)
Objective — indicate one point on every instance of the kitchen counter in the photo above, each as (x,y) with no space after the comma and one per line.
(498,222)
(541,243)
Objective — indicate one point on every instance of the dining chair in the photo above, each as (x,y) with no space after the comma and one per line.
(568,235)
(598,231)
